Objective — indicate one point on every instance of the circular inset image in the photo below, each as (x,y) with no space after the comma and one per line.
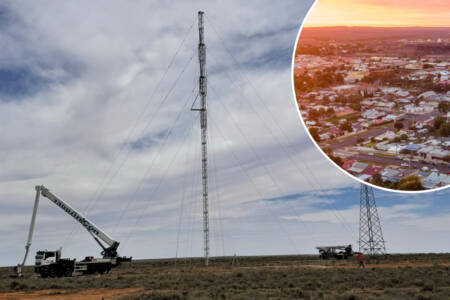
(375,95)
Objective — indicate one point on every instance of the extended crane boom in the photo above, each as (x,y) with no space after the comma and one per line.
(94,230)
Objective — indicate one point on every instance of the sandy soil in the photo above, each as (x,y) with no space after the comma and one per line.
(90,294)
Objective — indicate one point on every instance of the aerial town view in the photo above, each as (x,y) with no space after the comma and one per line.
(376,100)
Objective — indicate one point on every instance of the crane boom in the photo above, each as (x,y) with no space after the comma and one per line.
(31,230)
(93,229)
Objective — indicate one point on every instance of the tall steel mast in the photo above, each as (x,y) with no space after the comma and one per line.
(203,127)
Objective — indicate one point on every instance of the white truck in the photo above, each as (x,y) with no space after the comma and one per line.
(50,263)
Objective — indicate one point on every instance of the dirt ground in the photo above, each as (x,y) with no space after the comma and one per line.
(414,276)
(89,294)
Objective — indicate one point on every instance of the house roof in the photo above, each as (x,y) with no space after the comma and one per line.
(358,167)
(348,164)
(436,177)
(413,147)
(372,170)
(391,174)
(334,130)
(364,177)
(427,94)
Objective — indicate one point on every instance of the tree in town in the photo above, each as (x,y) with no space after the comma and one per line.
(410,183)
(339,78)
(444,107)
(315,134)
(444,129)
(346,126)
(328,151)
(314,114)
(377,179)
(398,125)
(303,83)
(438,120)
(330,111)
(321,111)
(337,160)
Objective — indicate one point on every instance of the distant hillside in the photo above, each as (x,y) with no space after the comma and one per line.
(365,33)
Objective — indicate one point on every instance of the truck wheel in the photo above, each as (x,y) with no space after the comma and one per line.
(44,272)
(52,273)
(60,273)
(68,272)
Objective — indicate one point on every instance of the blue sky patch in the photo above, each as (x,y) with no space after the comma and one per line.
(18,82)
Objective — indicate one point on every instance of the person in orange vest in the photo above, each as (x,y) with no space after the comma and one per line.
(361,261)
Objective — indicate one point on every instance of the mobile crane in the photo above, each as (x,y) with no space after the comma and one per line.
(50,263)
(337,252)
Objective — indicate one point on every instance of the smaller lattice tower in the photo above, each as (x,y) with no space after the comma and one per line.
(371,239)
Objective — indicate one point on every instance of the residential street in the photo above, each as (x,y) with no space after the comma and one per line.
(375,132)
(398,162)
(354,139)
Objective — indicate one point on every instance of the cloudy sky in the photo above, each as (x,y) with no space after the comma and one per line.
(95,104)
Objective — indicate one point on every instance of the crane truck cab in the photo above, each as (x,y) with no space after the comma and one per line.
(44,257)
(50,264)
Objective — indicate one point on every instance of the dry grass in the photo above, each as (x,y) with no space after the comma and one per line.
(424,276)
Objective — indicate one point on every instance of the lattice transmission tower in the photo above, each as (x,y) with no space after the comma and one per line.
(371,239)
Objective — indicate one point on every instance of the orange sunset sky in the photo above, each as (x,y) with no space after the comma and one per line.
(433,13)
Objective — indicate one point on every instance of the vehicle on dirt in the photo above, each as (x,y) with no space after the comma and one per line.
(336,252)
